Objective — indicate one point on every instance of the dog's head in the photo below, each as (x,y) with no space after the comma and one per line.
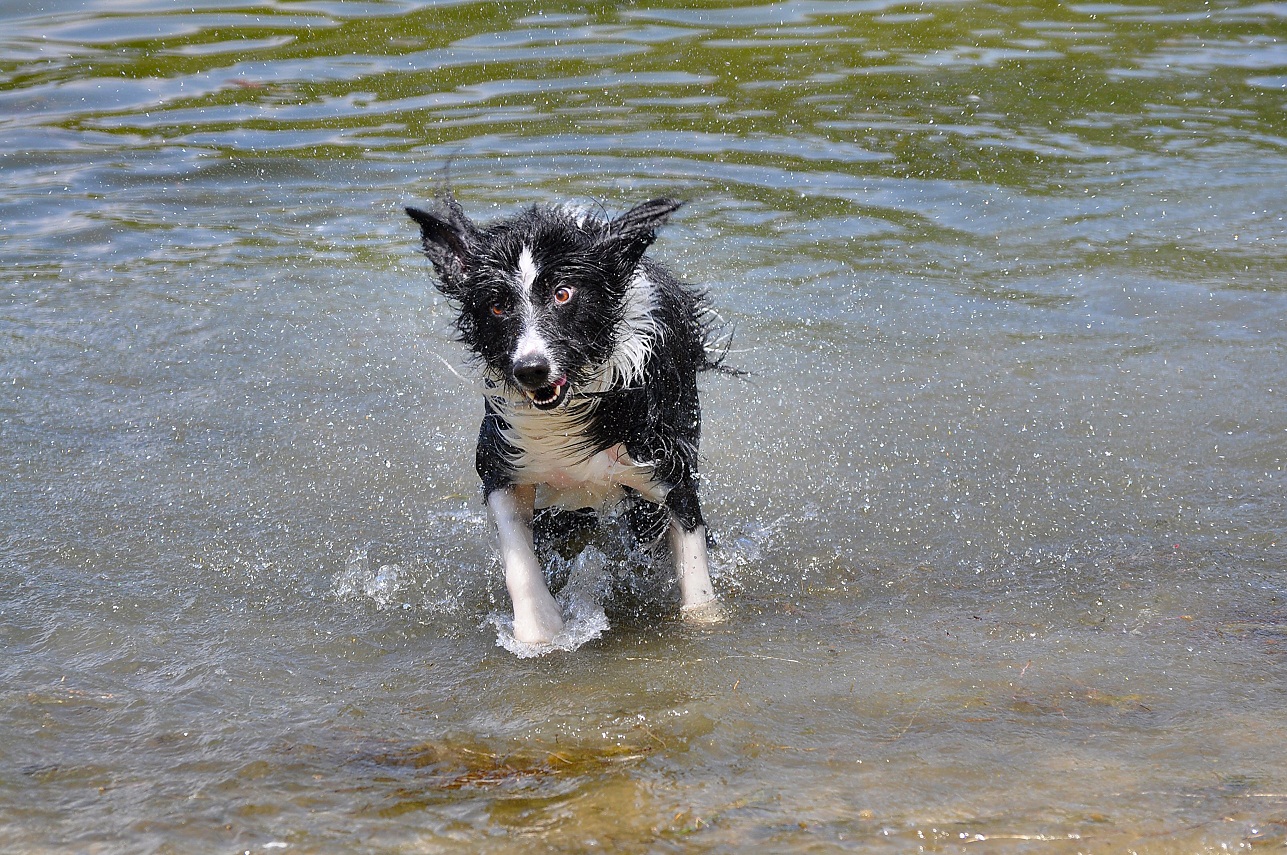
(549,298)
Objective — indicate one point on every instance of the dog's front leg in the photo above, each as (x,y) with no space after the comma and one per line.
(536,615)
(697,600)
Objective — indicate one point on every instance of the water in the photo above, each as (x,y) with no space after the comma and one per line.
(1001,506)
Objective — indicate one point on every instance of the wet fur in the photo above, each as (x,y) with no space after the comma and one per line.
(627,345)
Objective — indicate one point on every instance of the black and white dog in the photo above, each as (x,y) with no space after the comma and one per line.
(589,354)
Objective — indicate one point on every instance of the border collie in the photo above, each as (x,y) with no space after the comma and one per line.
(589,354)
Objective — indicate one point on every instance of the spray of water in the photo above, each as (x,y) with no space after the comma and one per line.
(610,574)
(581,600)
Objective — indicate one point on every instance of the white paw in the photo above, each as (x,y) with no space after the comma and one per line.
(709,612)
(538,626)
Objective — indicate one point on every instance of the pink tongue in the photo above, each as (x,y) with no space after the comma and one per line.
(562,381)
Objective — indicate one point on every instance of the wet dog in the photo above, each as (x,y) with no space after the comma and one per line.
(589,354)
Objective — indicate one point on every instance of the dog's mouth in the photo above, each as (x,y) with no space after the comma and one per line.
(548,397)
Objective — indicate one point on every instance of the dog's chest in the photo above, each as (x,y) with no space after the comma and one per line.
(551,456)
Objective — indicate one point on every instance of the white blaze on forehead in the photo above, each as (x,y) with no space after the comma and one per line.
(531,343)
(527,271)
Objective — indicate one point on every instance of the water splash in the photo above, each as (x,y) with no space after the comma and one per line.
(741,553)
(381,583)
(581,602)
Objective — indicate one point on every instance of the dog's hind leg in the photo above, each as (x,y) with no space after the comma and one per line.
(536,615)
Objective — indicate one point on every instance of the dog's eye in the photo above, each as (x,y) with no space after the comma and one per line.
(563,295)
(497,310)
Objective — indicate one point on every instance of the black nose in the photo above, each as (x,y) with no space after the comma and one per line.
(532,372)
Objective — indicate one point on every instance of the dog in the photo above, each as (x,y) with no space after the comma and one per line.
(589,354)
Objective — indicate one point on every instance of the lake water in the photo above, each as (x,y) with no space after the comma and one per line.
(1001,505)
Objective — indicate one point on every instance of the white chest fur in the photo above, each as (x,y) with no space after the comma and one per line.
(551,457)
(591,483)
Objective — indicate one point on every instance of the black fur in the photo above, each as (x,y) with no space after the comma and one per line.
(657,417)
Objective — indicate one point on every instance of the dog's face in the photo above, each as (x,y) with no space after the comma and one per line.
(544,295)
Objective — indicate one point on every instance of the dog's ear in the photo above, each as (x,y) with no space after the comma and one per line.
(648,216)
(448,238)
(630,234)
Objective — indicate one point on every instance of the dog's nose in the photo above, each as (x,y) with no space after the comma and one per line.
(532,372)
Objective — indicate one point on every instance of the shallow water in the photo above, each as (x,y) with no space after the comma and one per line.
(1001,507)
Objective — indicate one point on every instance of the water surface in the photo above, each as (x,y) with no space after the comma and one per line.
(1001,505)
